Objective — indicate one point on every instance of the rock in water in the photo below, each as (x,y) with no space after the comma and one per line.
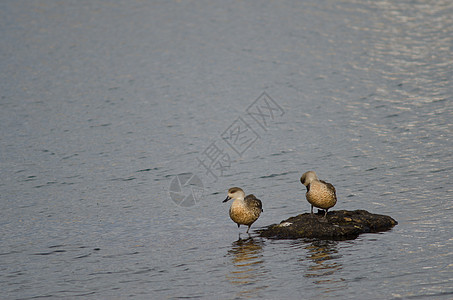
(338,225)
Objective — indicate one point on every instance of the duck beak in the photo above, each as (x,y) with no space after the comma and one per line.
(226,199)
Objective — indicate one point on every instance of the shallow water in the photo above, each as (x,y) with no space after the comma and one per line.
(108,108)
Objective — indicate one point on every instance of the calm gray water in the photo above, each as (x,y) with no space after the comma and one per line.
(108,108)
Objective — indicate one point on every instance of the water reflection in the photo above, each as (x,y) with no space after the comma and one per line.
(324,264)
(248,268)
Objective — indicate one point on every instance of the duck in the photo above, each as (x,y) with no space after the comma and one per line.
(319,194)
(244,210)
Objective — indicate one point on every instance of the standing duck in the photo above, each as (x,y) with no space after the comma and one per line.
(319,193)
(243,210)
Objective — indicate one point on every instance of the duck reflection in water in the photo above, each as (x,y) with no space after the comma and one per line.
(324,256)
(247,267)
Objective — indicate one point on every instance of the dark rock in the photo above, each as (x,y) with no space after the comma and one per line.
(337,225)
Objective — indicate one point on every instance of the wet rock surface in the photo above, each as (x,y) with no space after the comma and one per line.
(337,225)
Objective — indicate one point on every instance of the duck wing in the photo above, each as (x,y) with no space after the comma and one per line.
(330,187)
(252,201)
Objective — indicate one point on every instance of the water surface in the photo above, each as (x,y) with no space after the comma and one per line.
(104,104)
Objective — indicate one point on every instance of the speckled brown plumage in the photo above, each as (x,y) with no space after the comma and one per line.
(243,211)
(320,194)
